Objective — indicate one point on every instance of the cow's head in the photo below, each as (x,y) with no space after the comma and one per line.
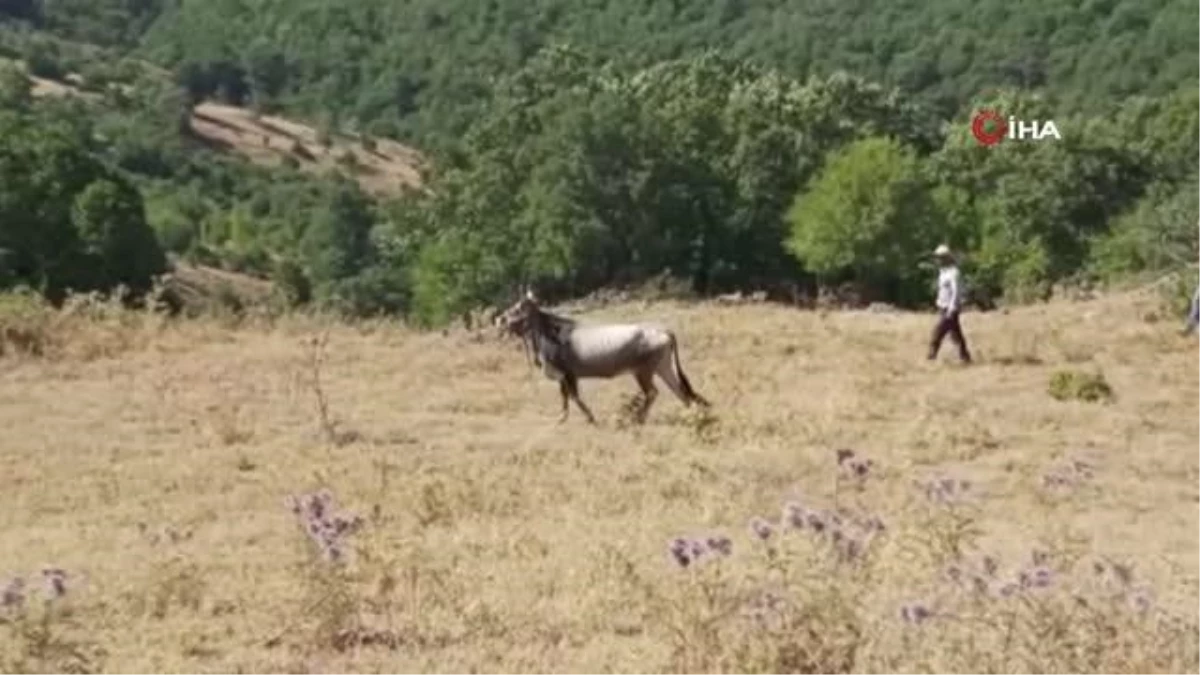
(515,322)
(515,319)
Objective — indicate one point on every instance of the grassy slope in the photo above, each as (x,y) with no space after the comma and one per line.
(503,534)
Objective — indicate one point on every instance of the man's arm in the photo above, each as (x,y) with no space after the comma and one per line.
(953,305)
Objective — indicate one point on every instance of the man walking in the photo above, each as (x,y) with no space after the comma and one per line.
(949,305)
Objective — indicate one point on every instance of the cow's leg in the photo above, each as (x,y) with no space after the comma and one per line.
(566,400)
(571,390)
(645,380)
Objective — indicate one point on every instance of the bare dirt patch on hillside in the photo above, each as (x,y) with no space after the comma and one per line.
(381,166)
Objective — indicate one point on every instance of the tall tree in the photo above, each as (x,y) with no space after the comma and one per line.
(111,221)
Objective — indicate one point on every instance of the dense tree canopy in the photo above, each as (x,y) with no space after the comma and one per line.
(66,221)
(870,213)
(728,143)
(425,65)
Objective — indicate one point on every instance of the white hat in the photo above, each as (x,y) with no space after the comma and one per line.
(942,251)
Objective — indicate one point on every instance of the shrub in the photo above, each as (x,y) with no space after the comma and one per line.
(25,324)
(291,283)
(1067,385)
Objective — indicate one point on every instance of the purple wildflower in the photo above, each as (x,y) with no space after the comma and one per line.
(1082,468)
(56,582)
(720,544)
(1142,599)
(954,573)
(333,552)
(761,528)
(1038,577)
(687,551)
(852,465)
(1058,479)
(947,490)
(1043,577)
(979,584)
(1068,474)
(681,551)
(860,468)
(915,613)
(765,608)
(852,548)
(13,596)
(343,525)
(816,521)
(1123,573)
(794,515)
(327,529)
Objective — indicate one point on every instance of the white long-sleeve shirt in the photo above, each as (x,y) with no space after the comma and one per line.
(949,295)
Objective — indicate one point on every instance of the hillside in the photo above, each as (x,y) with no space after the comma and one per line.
(383,167)
(796,150)
(423,67)
(151,463)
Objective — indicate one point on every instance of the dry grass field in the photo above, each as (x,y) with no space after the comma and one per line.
(152,463)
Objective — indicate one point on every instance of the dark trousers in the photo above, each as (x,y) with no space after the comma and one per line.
(948,324)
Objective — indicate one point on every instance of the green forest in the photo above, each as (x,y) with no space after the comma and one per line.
(725,144)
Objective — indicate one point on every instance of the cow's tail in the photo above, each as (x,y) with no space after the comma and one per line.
(684,382)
